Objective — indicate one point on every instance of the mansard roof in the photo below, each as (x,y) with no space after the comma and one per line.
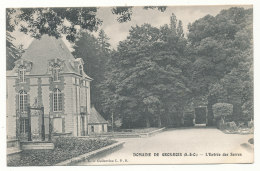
(95,117)
(42,51)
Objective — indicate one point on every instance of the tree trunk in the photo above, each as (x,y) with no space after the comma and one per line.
(159,121)
(182,116)
(147,122)
(168,121)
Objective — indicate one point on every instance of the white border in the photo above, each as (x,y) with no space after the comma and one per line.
(76,3)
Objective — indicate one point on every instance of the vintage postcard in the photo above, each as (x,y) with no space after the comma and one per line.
(125,85)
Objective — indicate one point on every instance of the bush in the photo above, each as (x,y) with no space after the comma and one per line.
(231,126)
(251,124)
(251,141)
(221,110)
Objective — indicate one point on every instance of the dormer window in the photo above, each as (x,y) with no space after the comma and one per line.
(21,74)
(56,70)
(80,70)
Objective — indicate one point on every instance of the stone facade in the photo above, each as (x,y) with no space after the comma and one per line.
(48,75)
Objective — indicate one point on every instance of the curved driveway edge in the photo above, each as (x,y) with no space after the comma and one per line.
(90,154)
(149,134)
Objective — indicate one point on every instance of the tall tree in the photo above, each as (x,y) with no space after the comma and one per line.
(149,76)
(180,32)
(103,41)
(95,53)
(222,48)
(87,48)
(68,21)
(12,52)
(173,23)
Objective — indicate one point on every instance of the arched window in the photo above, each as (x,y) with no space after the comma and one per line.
(80,70)
(56,70)
(22,74)
(22,101)
(57,100)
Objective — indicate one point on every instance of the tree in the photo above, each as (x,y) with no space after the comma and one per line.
(173,23)
(55,22)
(222,50)
(221,111)
(58,21)
(147,80)
(12,52)
(103,41)
(88,48)
(125,13)
(103,57)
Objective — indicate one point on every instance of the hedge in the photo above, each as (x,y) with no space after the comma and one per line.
(222,109)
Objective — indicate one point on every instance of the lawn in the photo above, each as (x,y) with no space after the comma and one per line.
(143,130)
(65,148)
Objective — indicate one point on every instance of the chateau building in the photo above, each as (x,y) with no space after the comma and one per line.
(48,75)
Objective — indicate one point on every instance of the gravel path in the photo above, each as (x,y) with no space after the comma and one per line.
(201,145)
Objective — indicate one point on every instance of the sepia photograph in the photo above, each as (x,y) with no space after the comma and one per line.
(129,85)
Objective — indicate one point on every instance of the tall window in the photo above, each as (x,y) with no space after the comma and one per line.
(56,71)
(22,101)
(22,74)
(57,100)
(24,125)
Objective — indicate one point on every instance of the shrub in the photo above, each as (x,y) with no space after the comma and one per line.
(221,110)
(251,124)
(251,140)
(231,126)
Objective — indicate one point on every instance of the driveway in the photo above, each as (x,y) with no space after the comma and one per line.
(179,146)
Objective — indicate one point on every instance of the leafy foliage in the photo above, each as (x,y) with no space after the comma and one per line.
(12,52)
(147,76)
(156,73)
(95,53)
(223,60)
(222,109)
(57,21)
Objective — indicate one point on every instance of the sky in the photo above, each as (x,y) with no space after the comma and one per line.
(118,31)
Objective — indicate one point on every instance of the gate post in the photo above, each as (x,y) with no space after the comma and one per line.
(29,124)
(43,126)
